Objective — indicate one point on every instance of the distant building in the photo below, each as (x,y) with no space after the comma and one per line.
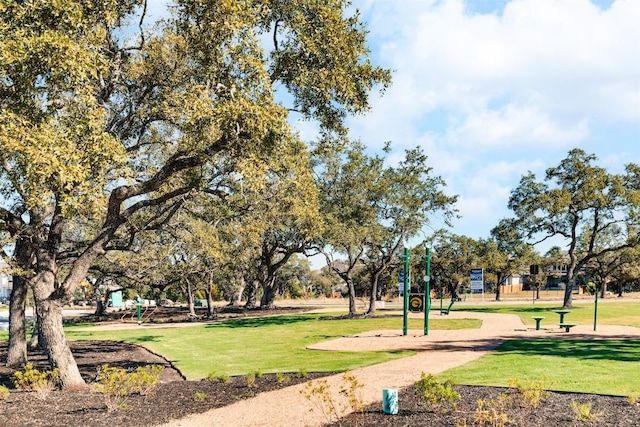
(512,284)
(6,282)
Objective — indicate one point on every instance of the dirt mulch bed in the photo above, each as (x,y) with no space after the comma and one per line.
(172,398)
(180,314)
(553,411)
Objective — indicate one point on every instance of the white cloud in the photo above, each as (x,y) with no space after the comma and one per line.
(514,126)
(564,56)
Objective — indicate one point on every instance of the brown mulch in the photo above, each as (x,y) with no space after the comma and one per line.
(555,410)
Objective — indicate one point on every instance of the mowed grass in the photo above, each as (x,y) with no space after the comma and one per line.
(267,344)
(589,366)
(626,313)
(593,366)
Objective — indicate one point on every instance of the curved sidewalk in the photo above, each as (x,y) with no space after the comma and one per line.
(437,352)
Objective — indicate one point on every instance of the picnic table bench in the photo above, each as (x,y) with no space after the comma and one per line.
(562,314)
(567,326)
(538,319)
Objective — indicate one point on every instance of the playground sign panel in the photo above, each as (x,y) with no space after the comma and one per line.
(416,302)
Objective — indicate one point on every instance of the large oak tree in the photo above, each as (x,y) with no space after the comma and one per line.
(579,202)
(103,120)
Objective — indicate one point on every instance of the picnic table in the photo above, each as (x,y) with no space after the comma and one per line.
(567,326)
(538,319)
(562,313)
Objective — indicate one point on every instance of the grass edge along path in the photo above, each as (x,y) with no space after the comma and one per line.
(265,344)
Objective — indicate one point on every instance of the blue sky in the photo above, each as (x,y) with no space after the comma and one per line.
(493,88)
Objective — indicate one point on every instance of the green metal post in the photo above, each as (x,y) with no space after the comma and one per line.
(595,311)
(138,312)
(405,320)
(427,289)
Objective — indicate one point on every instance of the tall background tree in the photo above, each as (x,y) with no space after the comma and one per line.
(371,209)
(409,195)
(579,201)
(111,127)
(347,183)
(505,253)
(452,258)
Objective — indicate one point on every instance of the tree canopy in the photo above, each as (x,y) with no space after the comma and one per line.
(114,124)
(579,201)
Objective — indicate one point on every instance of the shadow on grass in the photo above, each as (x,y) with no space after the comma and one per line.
(146,338)
(515,310)
(615,350)
(255,322)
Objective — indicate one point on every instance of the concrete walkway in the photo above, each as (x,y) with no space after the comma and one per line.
(437,352)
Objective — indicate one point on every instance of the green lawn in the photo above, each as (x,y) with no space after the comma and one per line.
(591,366)
(268,344)
(625,313)
(606,367)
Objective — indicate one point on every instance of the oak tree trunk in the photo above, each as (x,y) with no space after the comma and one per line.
(374,294)
(54,343)
(34,342)
(236,297)
(211,311)
(269,295)
(252,290)
(568,294)
(17,353)
(603,289)
(352,297)
(188,294)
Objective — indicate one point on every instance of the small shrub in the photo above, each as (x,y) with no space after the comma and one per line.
(41,382)
(439,396)
(4,392)
(250,379)
(350,391)
(492,412)
(282,378)
(530,395)
(201,395)
(302,373)
(320,395)
(258,373)
(212,376)
(116,384)
(584,411)
(634,398)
